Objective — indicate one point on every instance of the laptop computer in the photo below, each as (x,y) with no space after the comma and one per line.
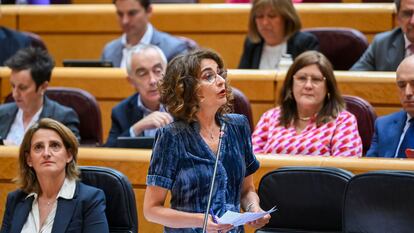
(86,63)
(135,142)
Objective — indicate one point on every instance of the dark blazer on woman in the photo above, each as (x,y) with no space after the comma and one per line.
(85,213)
(297,44)
(51,109)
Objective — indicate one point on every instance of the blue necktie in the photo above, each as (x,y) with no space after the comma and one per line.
(408,141)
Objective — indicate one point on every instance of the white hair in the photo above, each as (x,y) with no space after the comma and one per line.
(141,48)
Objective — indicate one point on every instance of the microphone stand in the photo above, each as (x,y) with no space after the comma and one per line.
(213,179)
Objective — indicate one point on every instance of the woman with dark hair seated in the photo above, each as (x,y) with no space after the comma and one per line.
(50,199)
(274,36)
(195,91)
(311,118)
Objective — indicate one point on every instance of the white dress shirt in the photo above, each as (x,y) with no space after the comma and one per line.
(145,40)
(17,130)
(32,224)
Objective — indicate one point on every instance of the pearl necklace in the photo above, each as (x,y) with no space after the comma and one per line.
(304,118)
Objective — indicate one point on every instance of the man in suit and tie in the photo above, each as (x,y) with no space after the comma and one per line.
(133,17)
(142,113)
(389,48)
(394,133)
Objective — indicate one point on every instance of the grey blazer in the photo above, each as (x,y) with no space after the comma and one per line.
(170,45)
(384,54)
(51,109)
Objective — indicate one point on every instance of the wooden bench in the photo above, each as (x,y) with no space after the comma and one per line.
(80,31)
(134,164)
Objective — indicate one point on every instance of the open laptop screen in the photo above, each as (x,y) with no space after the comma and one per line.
(135,142)
(86,63)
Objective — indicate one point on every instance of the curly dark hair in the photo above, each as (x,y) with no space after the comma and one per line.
(333,103)
(179,88)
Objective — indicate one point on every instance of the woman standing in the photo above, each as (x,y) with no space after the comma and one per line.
(195,91)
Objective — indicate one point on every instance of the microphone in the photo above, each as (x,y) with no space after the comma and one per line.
(213,179)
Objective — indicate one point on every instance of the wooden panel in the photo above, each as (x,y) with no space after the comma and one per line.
(368,18)
(69,18)
(8,17)
(106,109)
(76,45)
(258,110)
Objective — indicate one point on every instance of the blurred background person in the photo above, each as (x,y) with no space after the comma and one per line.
(274,35)
(388,49)
(10,42)
(142,113)
(311,118)
(196,93)
(49,198)
(31,70)
(133,18)
(394,133)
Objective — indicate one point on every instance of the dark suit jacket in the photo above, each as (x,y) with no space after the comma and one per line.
(124,115)
(170,45)
(297,44)
(10,42)
(388,130)
(85,213)
(384,54)
(51,109)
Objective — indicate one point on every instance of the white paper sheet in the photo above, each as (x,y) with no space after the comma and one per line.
(237,219)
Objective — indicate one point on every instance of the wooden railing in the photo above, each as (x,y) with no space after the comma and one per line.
(80,31)
(134,164)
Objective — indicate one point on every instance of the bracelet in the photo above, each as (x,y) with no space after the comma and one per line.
(249,206)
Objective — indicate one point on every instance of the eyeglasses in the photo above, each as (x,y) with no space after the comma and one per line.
(406,14)
(211,76)
(302,79)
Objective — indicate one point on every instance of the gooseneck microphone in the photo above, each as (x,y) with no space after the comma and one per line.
(213,179)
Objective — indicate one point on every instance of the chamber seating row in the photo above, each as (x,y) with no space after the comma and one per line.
(261,87)
(81,31)
(134,164)
(328,199)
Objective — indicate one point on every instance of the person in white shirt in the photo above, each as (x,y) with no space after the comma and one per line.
(133,18)
(31,70)
(49,198)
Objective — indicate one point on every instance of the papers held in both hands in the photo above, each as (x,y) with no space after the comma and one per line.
(238,219)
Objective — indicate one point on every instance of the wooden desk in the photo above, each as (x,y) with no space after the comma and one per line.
(134,164)
(80,31)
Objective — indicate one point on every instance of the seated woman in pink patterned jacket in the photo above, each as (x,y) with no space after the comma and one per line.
(311,118)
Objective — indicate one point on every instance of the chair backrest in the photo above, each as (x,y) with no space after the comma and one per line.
(379,202)
(121,211)
(85,105)
(309,199)
(241,105)
(342,46)
(365,115)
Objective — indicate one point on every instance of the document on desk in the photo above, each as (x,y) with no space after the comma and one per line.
(238,219)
